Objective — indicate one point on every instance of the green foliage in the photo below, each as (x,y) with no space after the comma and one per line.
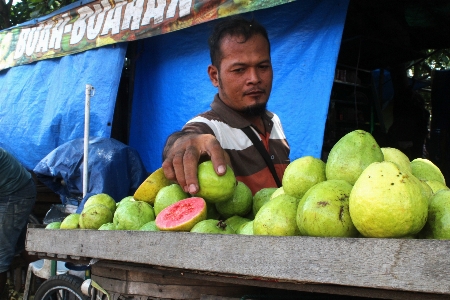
(435,60)
(30,9)
(422,70)
(20,12)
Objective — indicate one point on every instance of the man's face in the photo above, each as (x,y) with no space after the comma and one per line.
(245,76)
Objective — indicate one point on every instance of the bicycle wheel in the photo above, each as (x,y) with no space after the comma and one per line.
(61,287)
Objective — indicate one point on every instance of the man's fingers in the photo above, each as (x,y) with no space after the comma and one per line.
(181,164)
(169,172)
(190,161)
(178,166)
(219,157)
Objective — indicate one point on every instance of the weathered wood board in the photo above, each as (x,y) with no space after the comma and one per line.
(408,265)
(160,285)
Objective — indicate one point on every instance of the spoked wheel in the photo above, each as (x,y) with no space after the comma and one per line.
(61,287)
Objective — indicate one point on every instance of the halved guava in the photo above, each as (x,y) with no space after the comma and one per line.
(182,215)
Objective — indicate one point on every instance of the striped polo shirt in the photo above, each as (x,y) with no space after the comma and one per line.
(247,163)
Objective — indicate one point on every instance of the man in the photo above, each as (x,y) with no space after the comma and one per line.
(17,197)
(241,69)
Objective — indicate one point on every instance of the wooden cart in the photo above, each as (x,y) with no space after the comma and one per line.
(178,265)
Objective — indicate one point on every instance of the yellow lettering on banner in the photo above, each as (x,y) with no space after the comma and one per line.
(155,10)
(95,22)
(79,27)
(113,18)
(21,43)
(133,11)
(184,6)
(43,40)
(32,40)
(57,32)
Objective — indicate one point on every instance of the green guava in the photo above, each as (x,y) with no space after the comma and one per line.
(131,215)
(436,186)
(211,211)
(212,226)
(235,222)
(354,152)
(301,174)
(150,226)
(323,210)
(182,215)
(277,217)
(72,221)
(438,222)
(278,191)
(409,237)
(53,225)
(425,169)
(386,202)
(94,216)
(250,215)
(396,156)
(427,192)
(240,204)
(246,228)
(261,197)
(102,198)
(107,226)
(212,187)
(168,195)
(126,199)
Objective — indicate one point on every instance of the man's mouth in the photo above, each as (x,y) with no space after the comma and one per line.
(254,92)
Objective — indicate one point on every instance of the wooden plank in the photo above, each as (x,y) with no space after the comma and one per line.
(113,273)
(149,274)
(165,279)
(168,290)
(183,291)
(273,286)
(392,264)
(111,284)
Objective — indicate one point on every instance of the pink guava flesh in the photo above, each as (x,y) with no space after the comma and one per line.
(182,215)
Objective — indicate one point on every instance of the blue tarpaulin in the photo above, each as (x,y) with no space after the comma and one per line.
(172,85)
(113,168)
(42,104)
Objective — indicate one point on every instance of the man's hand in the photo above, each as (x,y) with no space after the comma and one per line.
(182,157)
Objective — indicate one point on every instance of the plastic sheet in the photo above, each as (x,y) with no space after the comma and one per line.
(114,168)
(42,104)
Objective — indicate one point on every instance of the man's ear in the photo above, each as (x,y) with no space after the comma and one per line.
(213,73)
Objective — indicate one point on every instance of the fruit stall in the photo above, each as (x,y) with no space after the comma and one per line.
(378,230)
(180,265)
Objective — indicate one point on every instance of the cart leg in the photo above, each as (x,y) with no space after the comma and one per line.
(28,279)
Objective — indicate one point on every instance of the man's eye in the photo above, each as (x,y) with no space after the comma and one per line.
(264,67)
(239,70)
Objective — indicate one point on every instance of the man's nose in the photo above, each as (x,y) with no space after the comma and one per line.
(254,76)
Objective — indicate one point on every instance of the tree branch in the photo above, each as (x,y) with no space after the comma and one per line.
(5,11)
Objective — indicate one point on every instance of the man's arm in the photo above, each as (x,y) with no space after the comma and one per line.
(182,153)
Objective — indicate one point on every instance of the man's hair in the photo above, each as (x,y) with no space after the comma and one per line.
(233,26)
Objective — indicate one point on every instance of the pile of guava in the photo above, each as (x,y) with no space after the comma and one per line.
(361,190)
